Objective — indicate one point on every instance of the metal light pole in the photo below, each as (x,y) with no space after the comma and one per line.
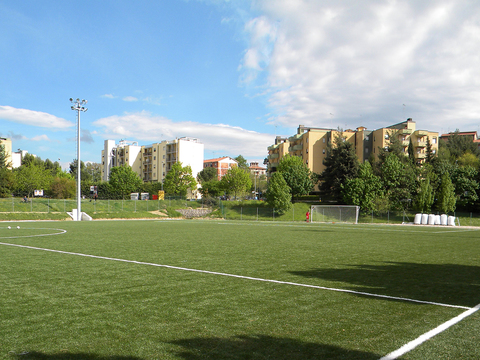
(78,105)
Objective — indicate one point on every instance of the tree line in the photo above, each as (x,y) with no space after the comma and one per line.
(37,174)
(446,181)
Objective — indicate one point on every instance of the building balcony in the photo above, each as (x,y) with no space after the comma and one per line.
(294,137)
(273,164)
(420,155)
(421,133)
(272,156)
(405,143)
(405,131)
(297,147)
(272,147)
(421,144)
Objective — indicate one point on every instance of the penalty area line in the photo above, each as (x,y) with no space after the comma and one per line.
(240,276)
(428,335)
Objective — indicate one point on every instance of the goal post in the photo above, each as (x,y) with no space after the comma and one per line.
(335,213)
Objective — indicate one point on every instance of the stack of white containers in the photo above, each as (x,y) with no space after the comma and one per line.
(431,219)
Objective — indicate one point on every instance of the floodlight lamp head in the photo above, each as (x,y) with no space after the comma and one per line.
(71,99)
(72,107)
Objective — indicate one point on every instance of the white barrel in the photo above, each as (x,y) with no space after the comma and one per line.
(424,219)
(451,221)
(431,219)
(443,219)
(438,221)
(418,219)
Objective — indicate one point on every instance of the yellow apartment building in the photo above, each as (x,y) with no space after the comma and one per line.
(311,143)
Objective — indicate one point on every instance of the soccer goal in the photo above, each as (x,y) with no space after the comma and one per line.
(335,213)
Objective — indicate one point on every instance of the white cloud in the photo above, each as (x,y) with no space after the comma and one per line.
(130,98)
(33,118)
(224,139)
(362,60)
(108,96)
(40,138)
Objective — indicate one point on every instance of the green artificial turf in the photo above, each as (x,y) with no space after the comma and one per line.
(57,305)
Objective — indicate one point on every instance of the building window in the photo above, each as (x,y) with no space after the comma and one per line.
(324,140)
(434,140)
(366,137)
(154,158)
(164,156)
(366,150)
(154,149)
(324,151)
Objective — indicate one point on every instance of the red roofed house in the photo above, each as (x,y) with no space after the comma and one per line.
(257,170)
(469,134)
(222,165)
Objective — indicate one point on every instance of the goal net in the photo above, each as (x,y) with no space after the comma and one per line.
(335,213)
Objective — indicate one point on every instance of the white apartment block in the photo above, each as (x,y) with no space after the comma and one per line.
(152,162)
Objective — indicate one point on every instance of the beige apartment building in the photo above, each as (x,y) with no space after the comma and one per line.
(152,162)
(311,143)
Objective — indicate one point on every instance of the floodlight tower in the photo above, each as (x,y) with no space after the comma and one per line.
(78,105)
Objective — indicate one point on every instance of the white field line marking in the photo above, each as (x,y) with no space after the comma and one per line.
(428,335)
(61,231)
(240,276)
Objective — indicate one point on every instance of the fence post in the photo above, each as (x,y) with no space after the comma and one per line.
(257,213)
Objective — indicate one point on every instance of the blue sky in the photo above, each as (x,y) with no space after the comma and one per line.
(231,73)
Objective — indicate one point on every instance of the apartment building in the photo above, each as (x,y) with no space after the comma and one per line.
(311,143)
(14,158)
(222,164)
(152,162)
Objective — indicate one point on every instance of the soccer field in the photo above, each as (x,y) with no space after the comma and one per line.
(237,290)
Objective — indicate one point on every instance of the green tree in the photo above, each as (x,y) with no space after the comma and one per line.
(278,193)
(298,176)
(236,181)
(179,179)
(3,158)
(425,196)
(211,188)
(399,181)
(341,164)
(30,159)
(363,190)
(207,174)
(241,162)
(30,178)
(446,195)
(411,153)
(94,172)
(469,159)
(7,182)
(430,156)
(84,174)
(124,180)
(63,188)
